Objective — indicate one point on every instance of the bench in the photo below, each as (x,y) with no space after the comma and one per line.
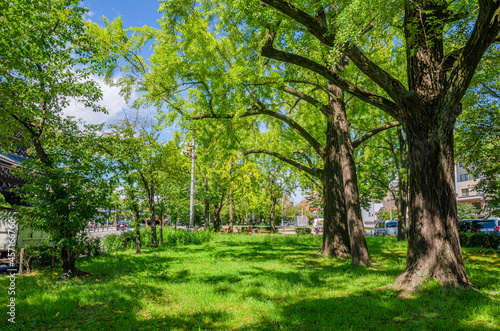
(265,231)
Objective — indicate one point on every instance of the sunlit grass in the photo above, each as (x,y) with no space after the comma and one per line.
(253,282)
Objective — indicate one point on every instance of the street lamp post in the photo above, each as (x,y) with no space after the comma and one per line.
(191,153)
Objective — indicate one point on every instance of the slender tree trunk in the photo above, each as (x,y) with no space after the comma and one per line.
(68,258)
(137,232)
(341,133)
(161,225)
(272,212)
(231,211)
(216,218)
(207,205)
(402,189)
(359,247)
(335,234)
(151,197)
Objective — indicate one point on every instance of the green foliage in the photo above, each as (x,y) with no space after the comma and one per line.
(303,230)
(385,215)
(89,246)
(3,203)
(466,211)
(479,240)
(65,192)
(181,237)
(126,240)
(113,242)
(37,256)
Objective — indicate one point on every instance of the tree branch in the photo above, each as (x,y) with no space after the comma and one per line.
(486,30)
(264,111)
(312,172)
(389,84)
(380,102)
(373,132)
(307,99)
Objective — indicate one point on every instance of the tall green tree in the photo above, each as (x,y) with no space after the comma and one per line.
(44,64)
(442,54)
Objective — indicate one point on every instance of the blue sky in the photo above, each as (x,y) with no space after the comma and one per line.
(133,13)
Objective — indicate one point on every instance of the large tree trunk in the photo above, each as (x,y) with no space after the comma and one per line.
(359,248)
(231,211)
(335,234)
(428,120)
(434,246)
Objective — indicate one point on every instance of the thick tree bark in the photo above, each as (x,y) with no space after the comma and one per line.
(434,246)
(335,234)
(231,211)
(359,248)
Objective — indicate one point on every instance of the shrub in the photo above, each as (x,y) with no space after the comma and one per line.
(303,230)
(181,237)
(112,243)
(484,240)
(38,255)
(89,246)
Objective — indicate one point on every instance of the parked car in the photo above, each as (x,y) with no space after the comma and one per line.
(478,225)
(485,226)
(386,228)
(122,225)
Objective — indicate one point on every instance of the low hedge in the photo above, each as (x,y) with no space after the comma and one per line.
(303,230)
(479,239)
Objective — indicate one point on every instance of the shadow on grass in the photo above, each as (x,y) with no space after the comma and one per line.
(116,298)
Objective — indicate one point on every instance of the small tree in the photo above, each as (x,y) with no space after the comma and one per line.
(466,211)
(65,190)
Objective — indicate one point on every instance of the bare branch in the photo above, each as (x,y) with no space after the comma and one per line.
(373,132)
(312,172)
(376,100)
(255,110)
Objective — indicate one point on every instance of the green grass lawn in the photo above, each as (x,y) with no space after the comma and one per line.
(252,282)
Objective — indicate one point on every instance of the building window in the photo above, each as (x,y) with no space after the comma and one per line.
(477,205)
(465,192)
(464,177)
(460,163)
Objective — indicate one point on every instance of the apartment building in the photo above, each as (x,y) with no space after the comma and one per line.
(465,184)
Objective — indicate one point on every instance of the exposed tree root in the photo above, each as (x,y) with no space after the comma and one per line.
(75,272)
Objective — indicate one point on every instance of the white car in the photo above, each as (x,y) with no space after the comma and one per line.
(386,228)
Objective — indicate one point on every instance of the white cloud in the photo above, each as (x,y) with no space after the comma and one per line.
(90,13)
(111,100)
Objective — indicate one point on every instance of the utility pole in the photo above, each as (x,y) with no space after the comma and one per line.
(191,153)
